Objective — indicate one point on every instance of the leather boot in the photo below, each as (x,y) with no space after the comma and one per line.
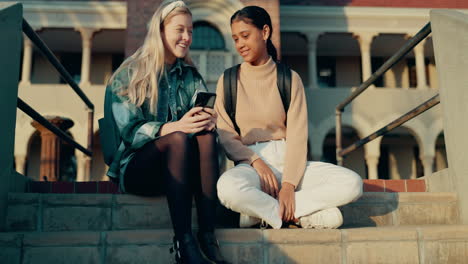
(187,251)
(210,247)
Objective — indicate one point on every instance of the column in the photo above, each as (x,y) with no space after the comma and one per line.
(20,161)
(27,61)
(420,65)
(372,156)
(428,163)
(50,148)
(365,43)
(312,38)
(372,163)
(87,39)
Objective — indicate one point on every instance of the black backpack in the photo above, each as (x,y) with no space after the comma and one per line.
(230,89)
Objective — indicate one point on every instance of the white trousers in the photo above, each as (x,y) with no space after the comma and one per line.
(323,186)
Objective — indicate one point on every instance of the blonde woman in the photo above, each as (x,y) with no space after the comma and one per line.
(167,143)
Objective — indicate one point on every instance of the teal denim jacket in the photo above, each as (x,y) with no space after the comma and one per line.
(138,125)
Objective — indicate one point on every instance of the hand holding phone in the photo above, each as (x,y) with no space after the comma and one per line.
(205,99)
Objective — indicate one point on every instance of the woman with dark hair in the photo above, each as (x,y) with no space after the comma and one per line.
(166,142)
(272,180)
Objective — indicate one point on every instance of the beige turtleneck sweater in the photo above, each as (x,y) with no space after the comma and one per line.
(261,117)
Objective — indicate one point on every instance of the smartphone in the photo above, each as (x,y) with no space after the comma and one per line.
(205,99)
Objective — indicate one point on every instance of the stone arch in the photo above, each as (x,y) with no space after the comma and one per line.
(359,123)
(414,126)
(207,36)
(400,155)
(420,132)
(217,12)
(354,160)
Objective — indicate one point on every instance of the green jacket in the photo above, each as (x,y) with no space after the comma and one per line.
(137,125)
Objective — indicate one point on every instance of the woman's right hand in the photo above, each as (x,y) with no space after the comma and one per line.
(268,181)
(193,121)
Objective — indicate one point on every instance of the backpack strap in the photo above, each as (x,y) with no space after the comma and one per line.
(230,93)
(284,84)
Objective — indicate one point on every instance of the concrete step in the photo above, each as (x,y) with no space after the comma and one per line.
(106,187)
(404,244)
(100,212)
(399,209)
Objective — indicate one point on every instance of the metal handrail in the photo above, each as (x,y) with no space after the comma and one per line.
(403,51)
(394,124)
(31,34)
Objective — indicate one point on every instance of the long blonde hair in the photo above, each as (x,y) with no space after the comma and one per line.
(146,66)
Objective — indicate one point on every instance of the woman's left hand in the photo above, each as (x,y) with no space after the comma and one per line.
(287,202)
(213,116)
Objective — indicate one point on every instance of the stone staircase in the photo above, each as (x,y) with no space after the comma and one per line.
(381,227)
(391,244)
(34,212)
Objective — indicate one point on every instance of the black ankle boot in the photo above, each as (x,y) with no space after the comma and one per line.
(210,247)
(187,251)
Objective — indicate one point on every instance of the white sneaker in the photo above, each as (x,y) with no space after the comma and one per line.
(248,221)
(330,218)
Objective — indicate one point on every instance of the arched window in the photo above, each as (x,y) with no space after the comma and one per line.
(207,37)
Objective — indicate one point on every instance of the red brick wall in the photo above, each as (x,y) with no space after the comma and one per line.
(272,7)
(382,3)
(139,13)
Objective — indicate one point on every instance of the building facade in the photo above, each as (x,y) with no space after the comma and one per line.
(333,45)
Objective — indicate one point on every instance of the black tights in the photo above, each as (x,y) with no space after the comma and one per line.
(182,167)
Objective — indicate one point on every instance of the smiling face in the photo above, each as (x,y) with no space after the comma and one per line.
(177,37)
(250,42)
